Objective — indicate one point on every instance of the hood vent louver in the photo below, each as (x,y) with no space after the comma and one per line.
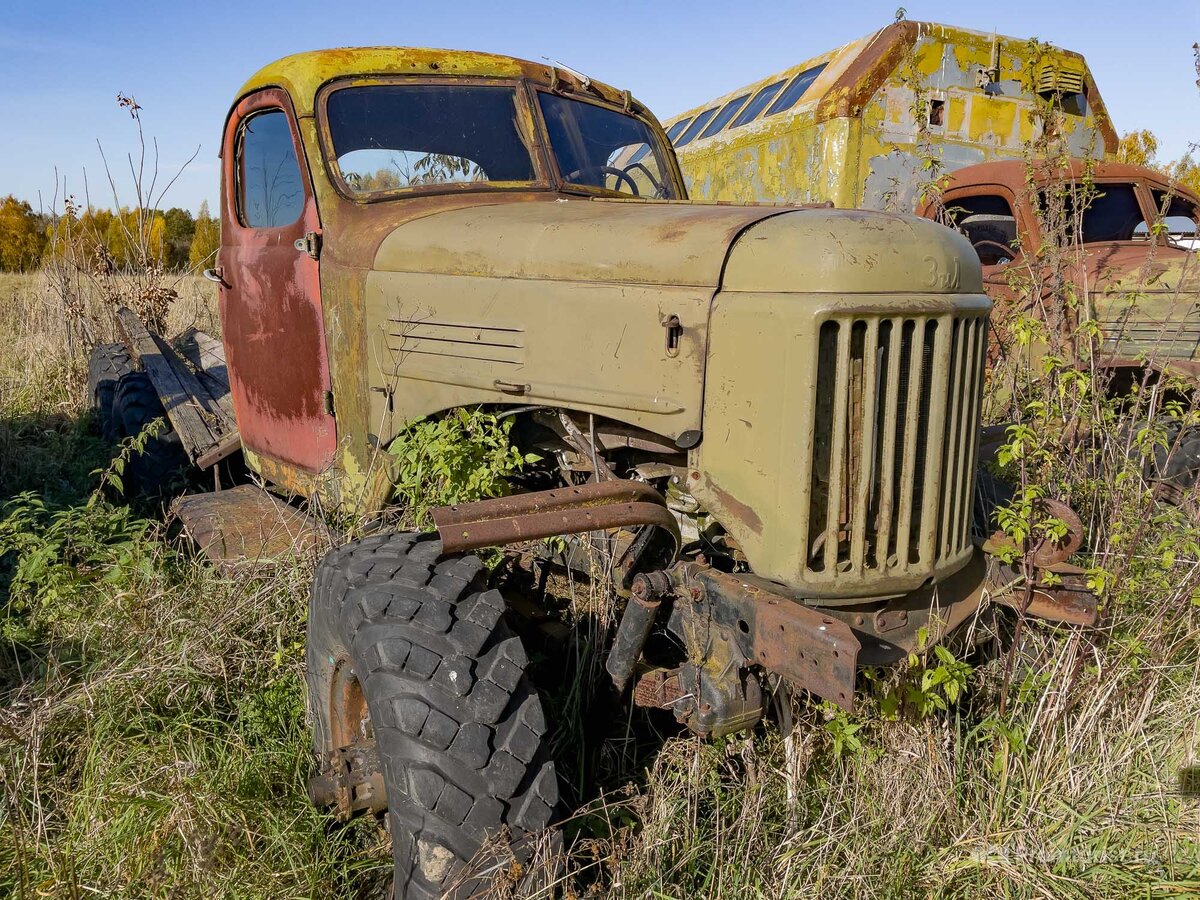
(1059,78)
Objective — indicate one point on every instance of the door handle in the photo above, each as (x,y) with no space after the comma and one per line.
(217,275)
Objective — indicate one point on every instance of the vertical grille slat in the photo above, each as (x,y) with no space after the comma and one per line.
(885,505)
(895,440)
(838,458)
(950,459)
(978,362)
(931,477)
(914,370)
(952,540)
(867,392)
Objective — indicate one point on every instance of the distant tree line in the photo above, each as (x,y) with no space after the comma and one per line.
(1140,148)
(125,238)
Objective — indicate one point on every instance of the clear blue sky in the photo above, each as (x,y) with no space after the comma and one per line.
(62,63)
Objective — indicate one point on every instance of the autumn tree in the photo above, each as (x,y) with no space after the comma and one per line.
(1187,172)
(22,238)
(1138,148)
(206,238)
(180,228)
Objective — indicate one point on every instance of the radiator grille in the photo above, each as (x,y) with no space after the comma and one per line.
(896,422)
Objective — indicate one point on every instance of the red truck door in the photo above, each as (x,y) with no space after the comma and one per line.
(273,328)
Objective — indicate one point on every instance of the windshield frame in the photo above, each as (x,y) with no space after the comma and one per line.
(665,153)
(530,130)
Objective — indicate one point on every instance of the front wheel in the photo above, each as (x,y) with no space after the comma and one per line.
(408,659)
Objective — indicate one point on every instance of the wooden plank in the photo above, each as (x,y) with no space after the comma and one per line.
(219,414)
(205,353)
(207,357)
(177,387)
(229,444)
(246,525)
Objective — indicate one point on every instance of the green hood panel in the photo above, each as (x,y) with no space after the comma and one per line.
(583,240)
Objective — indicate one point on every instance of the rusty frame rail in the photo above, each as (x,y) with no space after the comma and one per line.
(813,650)
(542,514)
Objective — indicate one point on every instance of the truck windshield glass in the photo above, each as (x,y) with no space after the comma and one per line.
(392,136)
(1113,214)
(590,143)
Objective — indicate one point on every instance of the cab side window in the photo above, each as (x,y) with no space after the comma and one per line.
(270,190)
(988,222)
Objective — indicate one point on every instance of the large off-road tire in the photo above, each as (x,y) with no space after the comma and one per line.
(161,464)
(108,364)
(1178,463)
(410,650)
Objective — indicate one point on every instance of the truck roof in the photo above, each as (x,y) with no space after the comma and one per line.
(302,74)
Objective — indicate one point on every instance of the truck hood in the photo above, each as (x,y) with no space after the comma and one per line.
(576,240)
(1147,300)
(760,249)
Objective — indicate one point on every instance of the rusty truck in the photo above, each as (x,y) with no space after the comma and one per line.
(772,413)
(1129,258)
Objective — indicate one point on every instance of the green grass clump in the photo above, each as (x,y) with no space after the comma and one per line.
(154,741)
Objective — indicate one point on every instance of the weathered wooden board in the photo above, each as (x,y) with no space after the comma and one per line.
(204,422)
(207,357)
(245,524)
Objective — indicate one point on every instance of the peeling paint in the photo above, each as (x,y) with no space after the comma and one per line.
(853,138)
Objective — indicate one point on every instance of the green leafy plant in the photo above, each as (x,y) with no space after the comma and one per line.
(462,456)
(842,731)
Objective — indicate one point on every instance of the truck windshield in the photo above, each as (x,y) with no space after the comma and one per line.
(601,148)
(1112,214)
(389,137)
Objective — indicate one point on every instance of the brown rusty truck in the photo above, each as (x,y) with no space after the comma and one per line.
(771,412)
(1129,255)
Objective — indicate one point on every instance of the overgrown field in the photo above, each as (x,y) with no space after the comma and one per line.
(153,742)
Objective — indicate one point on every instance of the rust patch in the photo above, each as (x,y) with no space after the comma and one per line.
(869,70)
(735,507)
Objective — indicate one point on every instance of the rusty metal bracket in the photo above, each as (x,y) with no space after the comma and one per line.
(352,783)
(813,650)
(570,510)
